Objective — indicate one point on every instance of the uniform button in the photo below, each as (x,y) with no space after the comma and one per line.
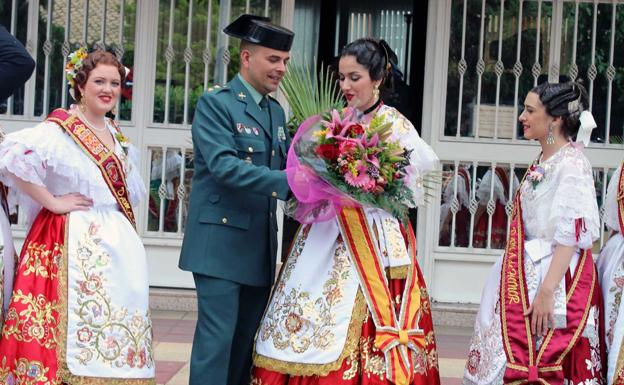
(250,149)
(224,220)
(272,152)
(271,215)
(273,194)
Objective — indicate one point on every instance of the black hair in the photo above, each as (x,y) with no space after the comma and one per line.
(566,100)
(376,56)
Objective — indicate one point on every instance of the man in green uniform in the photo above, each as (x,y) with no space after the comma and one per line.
(240,143)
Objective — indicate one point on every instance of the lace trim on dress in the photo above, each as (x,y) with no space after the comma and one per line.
(44,155)
(611,204)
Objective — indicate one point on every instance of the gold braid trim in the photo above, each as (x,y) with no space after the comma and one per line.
(63,370)
(300,369)
(398,272)
(619,368)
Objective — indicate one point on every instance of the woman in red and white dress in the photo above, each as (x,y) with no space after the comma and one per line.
(322,325)
(611,270)
(540,315)
(500,195)
(79,308)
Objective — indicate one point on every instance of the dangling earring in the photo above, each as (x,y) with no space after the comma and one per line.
(550,138)
(83,104)
(376,92)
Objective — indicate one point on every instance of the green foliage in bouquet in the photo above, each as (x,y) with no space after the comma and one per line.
(309,92)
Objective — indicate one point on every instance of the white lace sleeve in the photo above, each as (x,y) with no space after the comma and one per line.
(611,205)
(422,159)
(19,157)
(574,210)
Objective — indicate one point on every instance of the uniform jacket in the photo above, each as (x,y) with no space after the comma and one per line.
(231,231)
(16,65)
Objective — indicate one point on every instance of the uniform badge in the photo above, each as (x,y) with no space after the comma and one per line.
(281,134)
(247,130)
(242,96)
(240,127)
(255,131)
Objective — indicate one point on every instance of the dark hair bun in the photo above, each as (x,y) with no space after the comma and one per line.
(565,100)
(375,55)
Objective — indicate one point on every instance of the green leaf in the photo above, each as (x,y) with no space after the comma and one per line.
(309,92)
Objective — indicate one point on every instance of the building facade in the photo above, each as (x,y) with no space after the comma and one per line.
(467,63)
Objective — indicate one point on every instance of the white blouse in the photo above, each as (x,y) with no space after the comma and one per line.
(422,158)
(611,205)
(47,156)
(565,194)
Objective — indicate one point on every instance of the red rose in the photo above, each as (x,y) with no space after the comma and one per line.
(327,151)
(356,130)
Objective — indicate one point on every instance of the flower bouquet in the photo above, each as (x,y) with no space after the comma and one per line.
(338,162)
(335,161)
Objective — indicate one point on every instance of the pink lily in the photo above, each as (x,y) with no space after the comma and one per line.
(367,144)
(337,122)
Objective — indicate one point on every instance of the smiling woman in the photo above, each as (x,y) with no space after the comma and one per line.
(79,306)
(543,295)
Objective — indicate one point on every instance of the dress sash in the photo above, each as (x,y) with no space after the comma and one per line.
(526,364)
(108,163)
(396,334)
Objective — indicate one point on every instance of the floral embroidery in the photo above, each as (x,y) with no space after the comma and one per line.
(486,359)
(109,334)
(394,240)
(41,261)
(373,359)
(297,321)
(38,322)
(26,373)
(617,286)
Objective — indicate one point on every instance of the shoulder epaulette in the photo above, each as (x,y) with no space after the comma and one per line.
(217,88)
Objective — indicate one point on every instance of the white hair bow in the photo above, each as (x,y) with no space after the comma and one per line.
(587,125)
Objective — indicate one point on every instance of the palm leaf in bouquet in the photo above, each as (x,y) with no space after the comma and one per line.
(309,92)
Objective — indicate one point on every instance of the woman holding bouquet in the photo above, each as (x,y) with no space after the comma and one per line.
(611,270)
(79,308)
(541,310)
(351,306)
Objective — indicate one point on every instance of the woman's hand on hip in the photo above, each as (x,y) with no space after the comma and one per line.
(70,202)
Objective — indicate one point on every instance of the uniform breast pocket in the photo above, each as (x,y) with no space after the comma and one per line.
(251,150)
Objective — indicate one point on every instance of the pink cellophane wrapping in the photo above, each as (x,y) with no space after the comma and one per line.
(317,200)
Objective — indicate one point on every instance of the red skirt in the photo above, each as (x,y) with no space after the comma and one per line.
(365,364)
(499,229)
(30,335)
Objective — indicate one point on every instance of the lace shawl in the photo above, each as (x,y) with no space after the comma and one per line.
(46,156)
(611,205)
(564,201)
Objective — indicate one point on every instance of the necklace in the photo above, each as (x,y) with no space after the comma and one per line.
(371,108)
(91,125)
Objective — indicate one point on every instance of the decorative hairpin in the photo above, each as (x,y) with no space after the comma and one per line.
(74,63)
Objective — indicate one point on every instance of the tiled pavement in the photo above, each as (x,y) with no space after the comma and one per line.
(173,333)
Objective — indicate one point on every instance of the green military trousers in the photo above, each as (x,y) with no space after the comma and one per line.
(229,314)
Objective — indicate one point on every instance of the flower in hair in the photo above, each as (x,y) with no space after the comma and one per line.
(74,63)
